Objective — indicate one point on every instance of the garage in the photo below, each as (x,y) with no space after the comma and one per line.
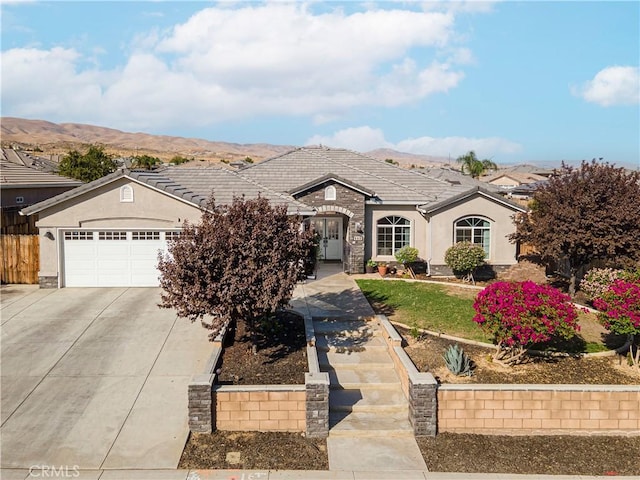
(112,258)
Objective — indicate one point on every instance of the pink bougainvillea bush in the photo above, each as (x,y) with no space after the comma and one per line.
(619,309)
(597,280)
(520,314)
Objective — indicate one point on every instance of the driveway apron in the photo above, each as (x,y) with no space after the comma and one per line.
(95,378)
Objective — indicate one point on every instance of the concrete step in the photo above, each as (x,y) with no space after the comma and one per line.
(364,424)
(341,325)
(349,341)
(368,400)
(348,378)
(365,359)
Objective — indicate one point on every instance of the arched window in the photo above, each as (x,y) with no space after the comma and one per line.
(393,234)
(476,230)
(126,194)
(330,193)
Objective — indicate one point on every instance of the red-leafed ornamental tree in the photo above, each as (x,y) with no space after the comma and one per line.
(585,214)
(240,263)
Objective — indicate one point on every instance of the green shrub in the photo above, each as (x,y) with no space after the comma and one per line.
(407,255)
(464,257)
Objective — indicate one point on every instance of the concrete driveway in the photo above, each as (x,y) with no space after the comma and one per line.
(95,378)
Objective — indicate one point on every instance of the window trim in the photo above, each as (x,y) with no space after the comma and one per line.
(126,194)
(472,228)
(393,226)
(330,193)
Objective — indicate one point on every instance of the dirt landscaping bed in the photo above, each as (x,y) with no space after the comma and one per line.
(426,353)
(254,450)
(541,455)
(280,359)
(448,452)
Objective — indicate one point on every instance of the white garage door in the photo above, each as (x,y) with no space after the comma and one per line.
(113,258)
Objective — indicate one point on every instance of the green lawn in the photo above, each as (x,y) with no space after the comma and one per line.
(429,306)
(450,310)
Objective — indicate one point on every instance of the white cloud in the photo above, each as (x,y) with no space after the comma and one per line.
(361,139)
(616,85)
(366,138)
(244,60)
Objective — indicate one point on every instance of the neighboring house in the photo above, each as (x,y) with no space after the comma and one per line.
(511,180)
(25,181)
(108,232)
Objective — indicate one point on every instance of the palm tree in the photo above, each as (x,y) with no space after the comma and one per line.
(473,166)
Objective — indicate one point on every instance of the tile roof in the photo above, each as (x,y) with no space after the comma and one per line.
(390,183)
(519,177)
(275,178)
(433,207)
(18,175)
(193,185)
(30,160)
(224,185)
(455,177)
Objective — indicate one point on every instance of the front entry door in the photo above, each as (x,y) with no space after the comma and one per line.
(330,230)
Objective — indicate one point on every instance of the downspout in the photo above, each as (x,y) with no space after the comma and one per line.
(424,214)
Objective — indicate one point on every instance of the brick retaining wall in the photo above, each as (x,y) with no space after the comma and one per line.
(512,409)
(268,408)
(539,409)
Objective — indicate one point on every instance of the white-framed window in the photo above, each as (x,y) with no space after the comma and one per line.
(147,235)
(393,233)
(330,193)
(78,235)
(126,194)
(108,235)
(476,230)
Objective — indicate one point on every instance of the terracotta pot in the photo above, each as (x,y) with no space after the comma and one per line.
(382,270)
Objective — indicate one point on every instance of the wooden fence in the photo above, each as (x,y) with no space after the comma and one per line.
(20,256)
(15,224)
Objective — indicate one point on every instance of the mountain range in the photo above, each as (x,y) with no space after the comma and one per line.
(54,139)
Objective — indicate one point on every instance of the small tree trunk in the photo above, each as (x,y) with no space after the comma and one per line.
(573,280)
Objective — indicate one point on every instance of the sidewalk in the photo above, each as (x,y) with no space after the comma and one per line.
(10,474)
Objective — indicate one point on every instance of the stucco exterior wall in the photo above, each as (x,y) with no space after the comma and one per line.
(433,236)
(102,208)
(502,252)
(418,229)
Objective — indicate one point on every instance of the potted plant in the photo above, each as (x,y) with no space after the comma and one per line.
(371,266)
(382,268)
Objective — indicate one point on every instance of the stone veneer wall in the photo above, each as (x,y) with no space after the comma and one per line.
(351,201)
(265,408)
(444,270)
(48,282)
(539,409)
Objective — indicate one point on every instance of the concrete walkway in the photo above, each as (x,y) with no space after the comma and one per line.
(369,428)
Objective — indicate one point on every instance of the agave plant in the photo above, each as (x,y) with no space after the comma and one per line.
(457,361)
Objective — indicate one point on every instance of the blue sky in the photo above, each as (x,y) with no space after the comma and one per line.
(514,81)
